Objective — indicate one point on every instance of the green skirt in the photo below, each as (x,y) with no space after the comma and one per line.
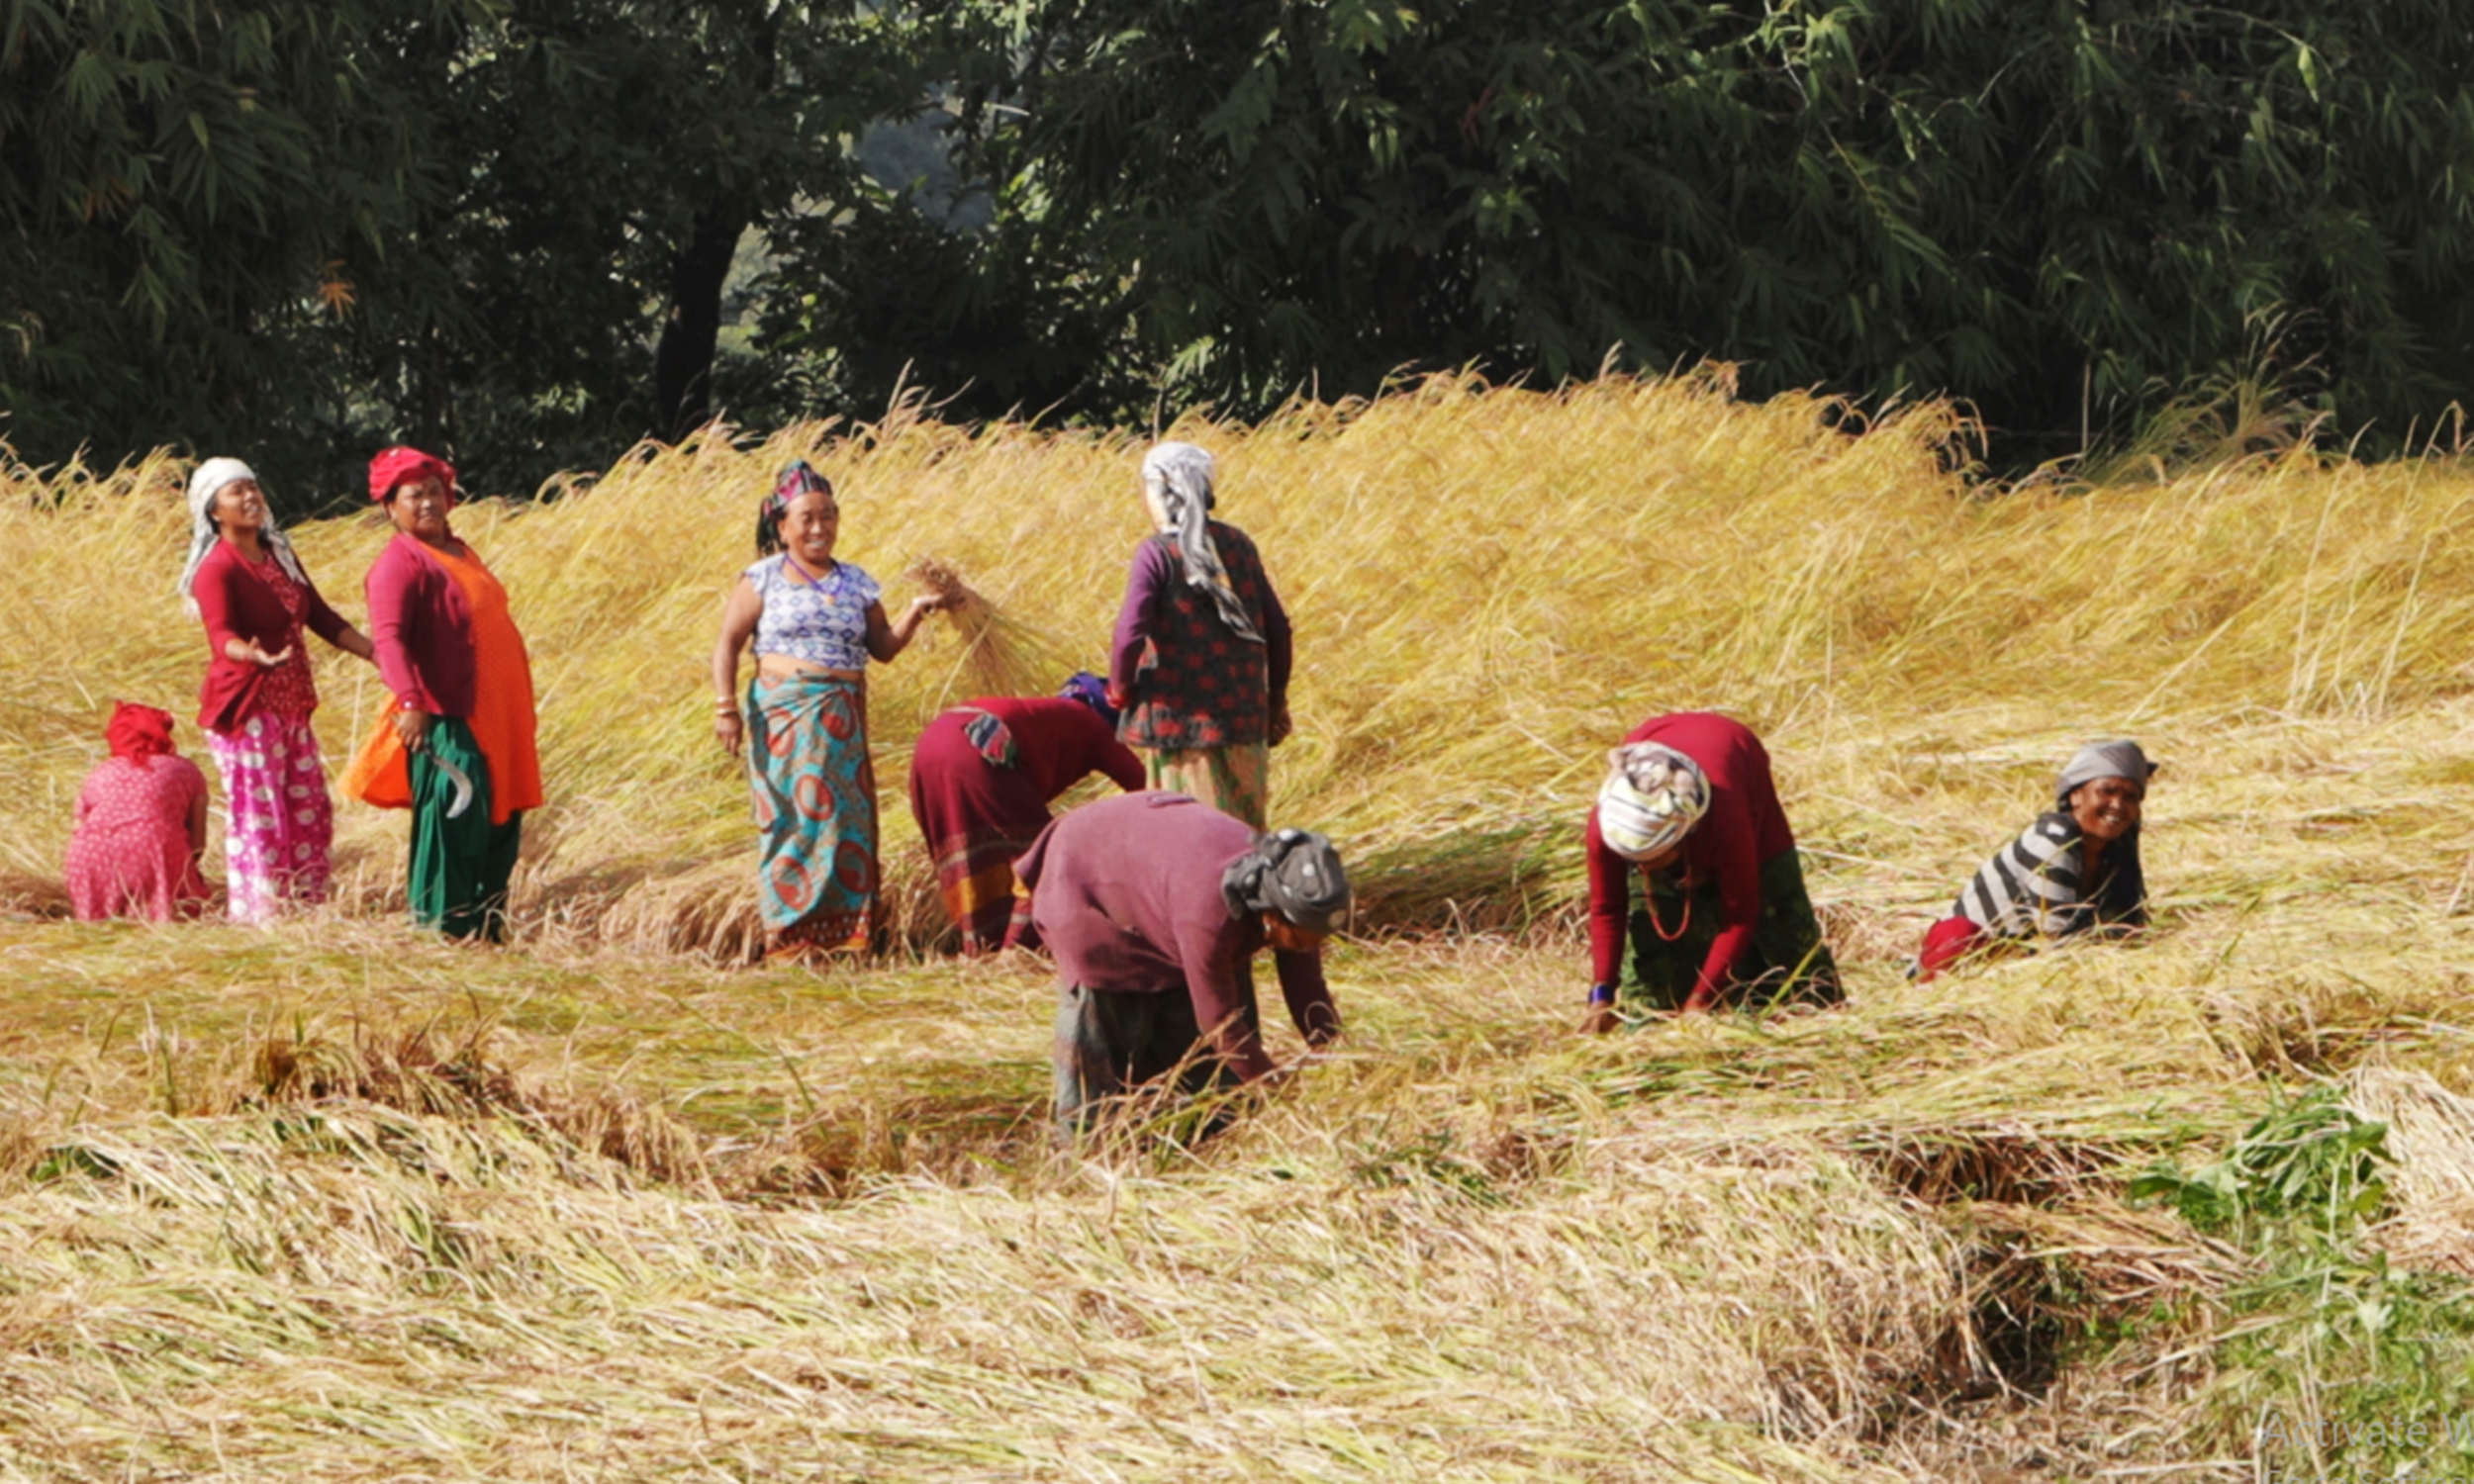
(1787,962)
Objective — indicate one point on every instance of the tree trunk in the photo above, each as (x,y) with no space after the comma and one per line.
(683,361)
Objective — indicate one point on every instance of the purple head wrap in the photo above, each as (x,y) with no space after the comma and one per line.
(1091,692)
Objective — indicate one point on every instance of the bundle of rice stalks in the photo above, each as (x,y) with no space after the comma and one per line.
(2430,1138)
(1000,655)
(422,1071)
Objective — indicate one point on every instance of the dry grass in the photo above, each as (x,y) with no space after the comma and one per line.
(332,1201)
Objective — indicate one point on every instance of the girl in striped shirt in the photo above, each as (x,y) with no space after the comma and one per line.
(2072,870)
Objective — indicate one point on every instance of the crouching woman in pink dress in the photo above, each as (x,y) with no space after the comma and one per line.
(140,826)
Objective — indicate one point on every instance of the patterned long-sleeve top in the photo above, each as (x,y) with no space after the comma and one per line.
(1185,680)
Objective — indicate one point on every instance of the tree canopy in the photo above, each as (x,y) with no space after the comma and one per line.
(532,231)
(2021,203)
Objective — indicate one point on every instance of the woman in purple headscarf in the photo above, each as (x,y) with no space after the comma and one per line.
(981,782)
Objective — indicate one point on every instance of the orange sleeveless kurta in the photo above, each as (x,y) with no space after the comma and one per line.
(502,721)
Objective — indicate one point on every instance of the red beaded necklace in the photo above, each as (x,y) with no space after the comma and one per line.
(1649,904)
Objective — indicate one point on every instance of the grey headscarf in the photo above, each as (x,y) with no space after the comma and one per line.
(209,481)
(2099,760)
(1180,475)
(1294,873)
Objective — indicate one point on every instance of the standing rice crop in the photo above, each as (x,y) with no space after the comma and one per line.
(1487,585)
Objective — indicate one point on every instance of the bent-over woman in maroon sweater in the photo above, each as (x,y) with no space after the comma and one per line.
(981,778)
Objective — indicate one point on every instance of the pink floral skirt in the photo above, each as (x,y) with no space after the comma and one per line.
(281,825)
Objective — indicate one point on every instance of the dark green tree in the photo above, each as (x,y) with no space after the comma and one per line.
(502,228)
(2027,205)
(613,154)
(183,187)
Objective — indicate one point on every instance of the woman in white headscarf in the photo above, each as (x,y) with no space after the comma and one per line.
(245,583)
(1201,657)
(1689,806)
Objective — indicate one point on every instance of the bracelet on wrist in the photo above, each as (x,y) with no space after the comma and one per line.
(1602,994)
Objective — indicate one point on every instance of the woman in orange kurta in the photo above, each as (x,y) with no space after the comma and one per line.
(458,748)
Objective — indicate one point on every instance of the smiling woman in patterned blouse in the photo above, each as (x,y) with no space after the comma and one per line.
(244,582)
(815,623)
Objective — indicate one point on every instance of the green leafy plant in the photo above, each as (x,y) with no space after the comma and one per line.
(2309,1161)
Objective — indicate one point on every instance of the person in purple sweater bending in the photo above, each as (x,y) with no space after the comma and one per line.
(1155,905)
(1200,662)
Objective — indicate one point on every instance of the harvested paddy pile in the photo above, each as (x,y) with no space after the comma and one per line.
(334,1201)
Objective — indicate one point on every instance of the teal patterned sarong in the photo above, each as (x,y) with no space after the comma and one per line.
(814,787)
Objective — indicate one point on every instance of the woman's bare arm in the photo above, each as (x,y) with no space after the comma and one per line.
(740,613)
(888,639)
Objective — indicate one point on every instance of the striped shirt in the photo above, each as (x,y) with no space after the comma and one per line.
(2034,887)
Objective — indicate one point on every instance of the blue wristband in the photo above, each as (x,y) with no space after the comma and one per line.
(1602,994)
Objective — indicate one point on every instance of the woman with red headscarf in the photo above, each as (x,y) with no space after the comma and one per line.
(140,826)
(457,746)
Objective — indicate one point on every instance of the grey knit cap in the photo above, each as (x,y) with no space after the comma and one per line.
(1294,873)
(2099,760)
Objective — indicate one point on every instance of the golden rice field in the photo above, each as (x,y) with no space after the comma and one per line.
(337,1202)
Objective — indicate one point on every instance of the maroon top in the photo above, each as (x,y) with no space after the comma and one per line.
(1186,682)
(242,601)
(1744,830)
(1060,742)
(420,625)
(1126,893)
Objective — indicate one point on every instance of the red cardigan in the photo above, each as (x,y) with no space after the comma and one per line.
(237,603)
(1744,830)
(420,625)
(1061,742)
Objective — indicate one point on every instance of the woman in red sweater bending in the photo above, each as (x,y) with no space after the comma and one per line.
(140,826)
(981,782)
(1689,807)
(245,584)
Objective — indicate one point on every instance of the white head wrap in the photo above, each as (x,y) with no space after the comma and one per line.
(1178,475)
(1651,798)
(204,484)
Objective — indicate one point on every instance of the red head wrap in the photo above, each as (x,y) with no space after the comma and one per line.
(138,732)
(401,465)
